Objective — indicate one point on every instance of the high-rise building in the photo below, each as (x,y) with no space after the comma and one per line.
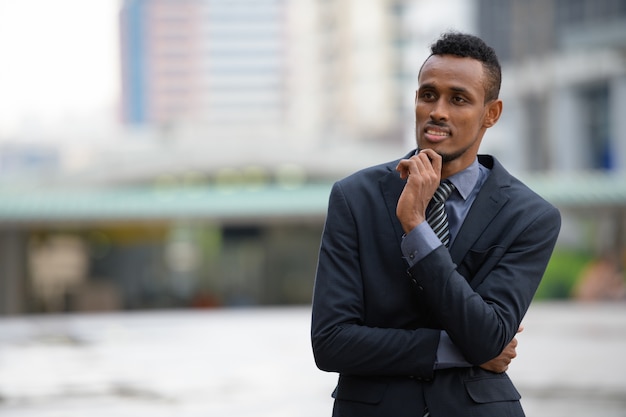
(218,62)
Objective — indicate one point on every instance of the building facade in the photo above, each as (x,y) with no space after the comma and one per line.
(564,67)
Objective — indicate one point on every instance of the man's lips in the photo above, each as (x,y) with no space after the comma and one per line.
(435,133)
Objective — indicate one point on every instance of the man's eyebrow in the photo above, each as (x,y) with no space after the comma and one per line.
(454,89)
(459,89)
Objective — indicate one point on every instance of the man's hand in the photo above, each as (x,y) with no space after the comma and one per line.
(423,173)
(501,363)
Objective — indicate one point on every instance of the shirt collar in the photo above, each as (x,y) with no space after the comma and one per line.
(465,180)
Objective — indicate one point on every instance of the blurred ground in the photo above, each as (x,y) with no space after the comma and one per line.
(258,362)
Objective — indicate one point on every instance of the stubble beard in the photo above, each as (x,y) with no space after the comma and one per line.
(449,157)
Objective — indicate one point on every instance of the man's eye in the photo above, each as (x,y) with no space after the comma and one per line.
(458,100)
(427,95)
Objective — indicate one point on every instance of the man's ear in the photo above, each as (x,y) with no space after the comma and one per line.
(494,110)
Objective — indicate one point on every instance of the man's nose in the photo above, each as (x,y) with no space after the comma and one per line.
(439,111)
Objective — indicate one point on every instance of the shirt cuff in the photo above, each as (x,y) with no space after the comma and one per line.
(448,355)
(419,242)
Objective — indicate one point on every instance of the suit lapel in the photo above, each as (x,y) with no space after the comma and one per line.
(488,203)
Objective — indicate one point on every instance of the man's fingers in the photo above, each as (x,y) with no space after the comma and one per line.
(512,352)
(403,168)
(419,164)
(434,157)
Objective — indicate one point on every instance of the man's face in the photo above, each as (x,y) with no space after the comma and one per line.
(451,115)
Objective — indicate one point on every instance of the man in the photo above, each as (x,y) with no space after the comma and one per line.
(412,326)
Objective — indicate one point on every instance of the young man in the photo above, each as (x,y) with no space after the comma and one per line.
(419,319)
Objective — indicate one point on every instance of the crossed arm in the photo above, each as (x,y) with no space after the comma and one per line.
(501,362)
(426,168)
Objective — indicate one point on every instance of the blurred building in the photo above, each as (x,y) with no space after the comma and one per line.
(220,63)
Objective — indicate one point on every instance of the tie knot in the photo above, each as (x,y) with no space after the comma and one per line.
(443,191)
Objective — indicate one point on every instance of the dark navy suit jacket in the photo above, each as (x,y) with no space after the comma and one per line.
(377,323)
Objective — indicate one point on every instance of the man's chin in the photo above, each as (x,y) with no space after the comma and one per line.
(445,156)
(448,157)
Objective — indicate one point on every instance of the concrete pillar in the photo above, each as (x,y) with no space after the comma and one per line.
(617,92)
(13,277)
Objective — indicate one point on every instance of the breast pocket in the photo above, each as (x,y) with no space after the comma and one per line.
(477,263)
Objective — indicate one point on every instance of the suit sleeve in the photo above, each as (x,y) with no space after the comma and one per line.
(482,313)
(341,340)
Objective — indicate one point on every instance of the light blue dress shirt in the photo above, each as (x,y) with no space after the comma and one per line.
(421,241)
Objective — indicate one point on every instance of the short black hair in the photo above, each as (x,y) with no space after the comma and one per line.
(470,46)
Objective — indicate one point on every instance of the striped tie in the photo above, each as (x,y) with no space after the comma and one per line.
(437,218)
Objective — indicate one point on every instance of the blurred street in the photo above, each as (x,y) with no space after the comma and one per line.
(258,362)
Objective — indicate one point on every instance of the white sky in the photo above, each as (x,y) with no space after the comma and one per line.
(58,61)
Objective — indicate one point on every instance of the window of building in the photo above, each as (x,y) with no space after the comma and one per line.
(597,127)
